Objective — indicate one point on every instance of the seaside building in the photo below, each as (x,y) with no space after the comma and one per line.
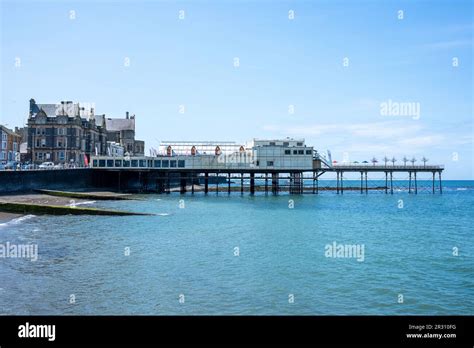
(258,154)
(70,132)
(9,145)
(115,149)
(122,131)
(64,133)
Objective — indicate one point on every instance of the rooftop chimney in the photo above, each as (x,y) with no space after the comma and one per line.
(127,115)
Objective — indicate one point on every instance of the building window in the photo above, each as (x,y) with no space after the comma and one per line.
(287,152)
(308,152)
(181,164)
(134,163)
(60,143)
(4,144)
(110,163)
(295,152)
(166,163)
(143,163)
(40,156)
(94,163)
(15,147)
(300,152)
(269,163)
(272,143)
(285,143)
(43,142)
(299,144)
(157,164)
(61,155)
(173,164)
(118,163)
(126,164)
(101,163)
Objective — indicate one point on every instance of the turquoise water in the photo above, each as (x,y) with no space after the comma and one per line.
(190,250)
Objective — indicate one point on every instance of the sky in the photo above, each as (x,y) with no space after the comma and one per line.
(360,78)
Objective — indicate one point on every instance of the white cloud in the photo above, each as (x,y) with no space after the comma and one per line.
(449,44)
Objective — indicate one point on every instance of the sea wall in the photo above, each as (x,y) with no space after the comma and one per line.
(29,180)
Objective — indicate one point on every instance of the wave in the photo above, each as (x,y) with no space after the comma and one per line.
(163,214)
(461,189)
(17,221)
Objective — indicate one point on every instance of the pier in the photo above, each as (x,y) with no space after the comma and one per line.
(269,166)
(150,179)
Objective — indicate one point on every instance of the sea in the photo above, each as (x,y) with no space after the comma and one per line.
(240,254)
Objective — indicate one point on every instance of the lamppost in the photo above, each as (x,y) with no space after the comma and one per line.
(424,159)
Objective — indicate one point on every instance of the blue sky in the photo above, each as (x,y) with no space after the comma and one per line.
(283,62)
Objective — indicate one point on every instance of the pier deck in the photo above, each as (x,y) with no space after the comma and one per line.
(295,181)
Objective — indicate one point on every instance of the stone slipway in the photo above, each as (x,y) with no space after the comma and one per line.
(43,209)
(98,196)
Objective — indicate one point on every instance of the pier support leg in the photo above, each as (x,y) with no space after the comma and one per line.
(275,183)
(252,183)
(217,183)
(317,183)
(386,182)
(290,188)
(266,183)
(192,183)
(206,183)
(241,183)
(433,182)
(391,183)
(299,183)
(440,183)
(337,182)
(342,183)
(182,183)
(314,182)
(168,183)
(228,183)
(361,182)
(366,186)
(416,185)
(409,182)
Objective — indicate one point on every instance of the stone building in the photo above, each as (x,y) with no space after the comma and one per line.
(9,145)
(64,133)
(122,131)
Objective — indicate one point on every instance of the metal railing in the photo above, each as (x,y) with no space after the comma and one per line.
(387,166)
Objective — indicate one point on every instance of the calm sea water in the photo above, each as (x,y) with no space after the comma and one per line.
(190,251)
